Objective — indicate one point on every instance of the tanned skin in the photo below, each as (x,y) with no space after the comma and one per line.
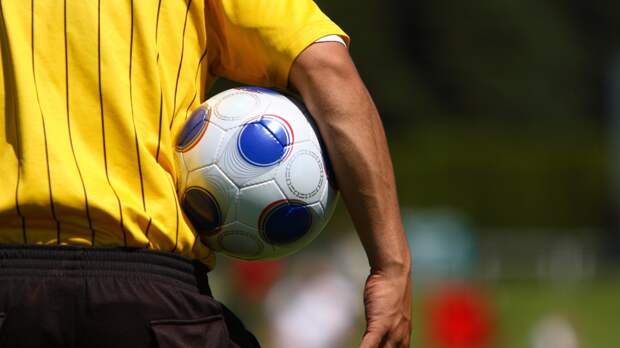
(350,125)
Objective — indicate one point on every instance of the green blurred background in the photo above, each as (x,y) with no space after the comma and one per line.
(500,116)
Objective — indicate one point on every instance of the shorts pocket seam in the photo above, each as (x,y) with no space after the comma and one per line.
(201,332)
(202,320)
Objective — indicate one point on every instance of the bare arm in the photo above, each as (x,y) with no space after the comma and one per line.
(327,80)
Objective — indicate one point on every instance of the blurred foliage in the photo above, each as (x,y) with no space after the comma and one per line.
(494,107)
(505,175)
(528,59)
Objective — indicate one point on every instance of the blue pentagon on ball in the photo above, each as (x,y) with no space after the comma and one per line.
(193,130)
(202,209)
(258,90)
(285,222)
(265,142)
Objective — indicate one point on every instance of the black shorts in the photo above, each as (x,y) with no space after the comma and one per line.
(96,297)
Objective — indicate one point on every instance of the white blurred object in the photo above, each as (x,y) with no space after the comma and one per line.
(554,332)
(319,302)
(315,312)
(568,262)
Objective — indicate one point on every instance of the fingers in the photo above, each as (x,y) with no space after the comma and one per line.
(397,338)
(388,312)
(404,338)
(371,340)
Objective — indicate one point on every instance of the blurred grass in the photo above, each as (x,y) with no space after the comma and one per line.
(591,307)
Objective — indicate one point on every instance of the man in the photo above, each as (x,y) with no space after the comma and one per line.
(92,95)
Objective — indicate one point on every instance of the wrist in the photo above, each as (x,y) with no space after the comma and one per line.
(395,265)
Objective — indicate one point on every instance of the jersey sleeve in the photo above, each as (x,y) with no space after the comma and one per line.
(256,41)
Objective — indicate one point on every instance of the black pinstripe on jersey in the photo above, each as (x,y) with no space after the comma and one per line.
(176,86)
(157,28)
(19,171)
(133,119)
(161,92)
(178,208)
(86,206)
(11,110)
(36,88)
(103,132)
(202,57)
(160,124)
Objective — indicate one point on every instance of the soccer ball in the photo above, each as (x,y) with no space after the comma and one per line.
(253,177)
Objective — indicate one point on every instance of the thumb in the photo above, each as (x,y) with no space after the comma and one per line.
(371,340)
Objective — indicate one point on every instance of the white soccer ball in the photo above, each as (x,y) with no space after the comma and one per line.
(253,177)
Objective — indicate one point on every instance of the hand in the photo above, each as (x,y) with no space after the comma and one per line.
(387,298)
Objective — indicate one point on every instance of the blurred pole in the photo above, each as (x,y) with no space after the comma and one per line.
(614,104)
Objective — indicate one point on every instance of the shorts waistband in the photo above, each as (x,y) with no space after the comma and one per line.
(75,260)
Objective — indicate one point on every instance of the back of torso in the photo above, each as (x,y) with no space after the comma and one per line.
(91,93)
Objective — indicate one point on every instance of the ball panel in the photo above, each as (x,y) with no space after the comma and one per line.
(240,244)
(316,213)
(281,132)
(233,107)
(253,200)
(284,222)
(206,150)
(238,169)
(305,174)
(258,145)
(202,209)
(268,176)
(240,241)
(302,175)
(193,130)
(220,189)
(257,89)
(279,129)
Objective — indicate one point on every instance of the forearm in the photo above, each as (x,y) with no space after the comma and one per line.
(352,131)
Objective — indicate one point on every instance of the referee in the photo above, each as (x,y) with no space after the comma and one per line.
(94,248)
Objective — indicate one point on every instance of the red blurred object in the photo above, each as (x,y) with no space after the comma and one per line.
(254,278)
(460,317)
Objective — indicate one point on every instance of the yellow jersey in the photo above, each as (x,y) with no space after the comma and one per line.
(93,92)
